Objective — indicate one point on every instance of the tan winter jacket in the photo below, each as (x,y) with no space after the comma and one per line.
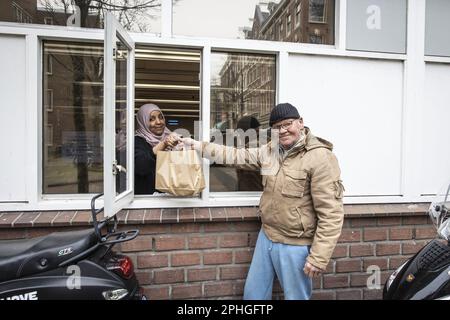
(302,199)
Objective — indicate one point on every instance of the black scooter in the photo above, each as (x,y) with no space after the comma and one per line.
(76,265)
(426,276)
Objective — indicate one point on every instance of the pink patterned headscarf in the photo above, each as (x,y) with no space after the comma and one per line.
(143,117)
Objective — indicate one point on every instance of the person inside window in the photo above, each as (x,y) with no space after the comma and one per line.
(151,136)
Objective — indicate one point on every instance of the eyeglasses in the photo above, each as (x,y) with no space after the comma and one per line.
(284,126)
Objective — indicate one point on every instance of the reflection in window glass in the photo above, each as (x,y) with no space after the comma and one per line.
(317,11)
(242,95)
(72,118)
(255,19)
(134,15)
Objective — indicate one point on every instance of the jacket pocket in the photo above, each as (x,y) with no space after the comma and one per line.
(294,183)
(339,189)
(290,223)
(309,222)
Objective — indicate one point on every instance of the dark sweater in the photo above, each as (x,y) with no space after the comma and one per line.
(144,167)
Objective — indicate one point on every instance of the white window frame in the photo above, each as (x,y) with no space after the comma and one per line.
(413,62)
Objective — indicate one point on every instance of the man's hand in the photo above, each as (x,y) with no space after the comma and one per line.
(191,144)
(311,271)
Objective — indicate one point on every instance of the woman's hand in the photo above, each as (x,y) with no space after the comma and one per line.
(171,141)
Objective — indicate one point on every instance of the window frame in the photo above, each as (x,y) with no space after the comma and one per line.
(35,34)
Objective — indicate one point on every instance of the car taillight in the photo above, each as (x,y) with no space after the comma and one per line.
(122,265)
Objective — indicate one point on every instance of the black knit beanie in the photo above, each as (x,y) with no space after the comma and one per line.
(283,111)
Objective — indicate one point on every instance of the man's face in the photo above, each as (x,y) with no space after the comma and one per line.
(289,131)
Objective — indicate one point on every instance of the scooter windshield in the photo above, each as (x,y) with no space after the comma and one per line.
(440,212)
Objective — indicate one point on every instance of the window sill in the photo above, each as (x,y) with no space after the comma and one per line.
(185,215)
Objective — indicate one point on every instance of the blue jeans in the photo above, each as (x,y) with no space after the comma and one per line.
(283,260)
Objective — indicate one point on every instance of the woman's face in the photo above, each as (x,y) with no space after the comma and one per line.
(156,123)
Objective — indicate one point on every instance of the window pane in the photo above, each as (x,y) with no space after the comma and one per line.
(255,19)
(437,25)
(242,95)
(72,118)
(134,15)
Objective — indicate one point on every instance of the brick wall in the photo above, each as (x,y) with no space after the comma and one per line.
(205,253)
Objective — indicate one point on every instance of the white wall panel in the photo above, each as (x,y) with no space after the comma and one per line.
(12,118)
(357,105)
(436,128)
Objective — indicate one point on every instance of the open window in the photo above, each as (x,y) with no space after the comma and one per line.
(118,107)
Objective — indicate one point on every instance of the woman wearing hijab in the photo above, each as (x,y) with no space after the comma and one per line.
(151,136)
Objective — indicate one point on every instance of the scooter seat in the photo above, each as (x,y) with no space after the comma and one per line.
(20,258)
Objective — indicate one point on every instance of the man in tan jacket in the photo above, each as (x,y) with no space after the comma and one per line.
(301,205)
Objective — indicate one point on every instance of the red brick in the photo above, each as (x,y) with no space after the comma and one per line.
(201,274)
(396,262)
(353,294)
(144,277)
(372,294)
(335,281)
(372,234)
(64,218)
(359,280)
(252,238)
(157,293)
(135,217)
(26,219)
(217,257)
(169,215)
(202,214)
(401,233)
(9,234)
(170,243)
(340,251)
(154,229)
(317,282)
(185,228)
(82,218)
(415,220)
(45,219)
(363,222)
(239,287)
(219,289)
(382,263)
(218,214)
(253,226)
(233,214)
(384,249)
(202,242)
(233,273)
(412,247)
(234,240)
(243,256)
(249,213)
(168,276)
(185,259)
(361,250)
(349,265)
(186,215)
(426,232)
(186,291)
(323,295)
(349,235)
(142,243)
(152,215)
(217,227)
(389,221)
(152,260)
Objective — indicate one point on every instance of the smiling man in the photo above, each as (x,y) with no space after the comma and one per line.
(301,206)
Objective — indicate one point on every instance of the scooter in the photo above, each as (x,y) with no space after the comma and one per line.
(426,276)
(76,265)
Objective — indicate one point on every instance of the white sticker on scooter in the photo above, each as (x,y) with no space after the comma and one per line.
(26,296)
(64,252)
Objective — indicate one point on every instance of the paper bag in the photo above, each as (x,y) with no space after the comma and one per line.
(179,172)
